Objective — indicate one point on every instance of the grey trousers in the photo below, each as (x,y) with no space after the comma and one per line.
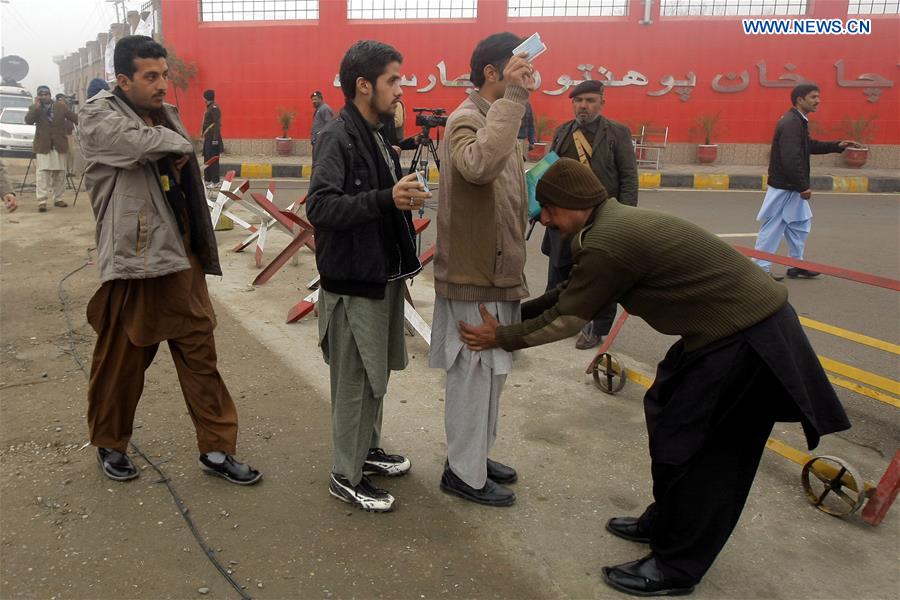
(470,416)
(474,383)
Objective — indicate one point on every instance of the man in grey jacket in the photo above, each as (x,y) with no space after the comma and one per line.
(605,146)
(155,243)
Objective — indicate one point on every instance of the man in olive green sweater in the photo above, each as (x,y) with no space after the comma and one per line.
(743,363)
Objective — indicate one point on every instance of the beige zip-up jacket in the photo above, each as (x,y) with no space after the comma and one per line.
(137,234)
(482,202)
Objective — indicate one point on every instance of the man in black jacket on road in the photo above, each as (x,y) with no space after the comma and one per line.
(785,210)
(212,137)
(605,146)
(365,249)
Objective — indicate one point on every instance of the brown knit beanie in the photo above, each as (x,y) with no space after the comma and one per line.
(570,184)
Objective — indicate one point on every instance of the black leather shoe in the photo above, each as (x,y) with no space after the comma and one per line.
(492,494)
(116,465)
(644,578)
(232,470)
(629,528)
(798,273)
(500,473)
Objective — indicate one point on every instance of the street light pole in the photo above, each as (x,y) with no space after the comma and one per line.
(117,3)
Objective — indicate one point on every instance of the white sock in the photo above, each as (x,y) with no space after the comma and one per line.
(216,457)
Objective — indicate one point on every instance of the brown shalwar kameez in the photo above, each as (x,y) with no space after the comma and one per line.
(131,318)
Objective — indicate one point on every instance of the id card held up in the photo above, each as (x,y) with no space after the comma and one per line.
(533,46)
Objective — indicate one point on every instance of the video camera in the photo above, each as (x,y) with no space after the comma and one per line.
(71,101)
(427,119)
(430,117)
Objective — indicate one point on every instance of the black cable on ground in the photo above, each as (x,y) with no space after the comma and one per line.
(184,510)
(70,330)
(163,478)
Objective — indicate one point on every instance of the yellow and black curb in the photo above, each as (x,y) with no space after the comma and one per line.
(724,181)
(647,179)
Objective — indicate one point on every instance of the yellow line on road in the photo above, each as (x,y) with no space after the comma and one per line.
(789,452)
(884,383)
(861,389)
(645,382)
(851,335)
(801,458)
(639,378)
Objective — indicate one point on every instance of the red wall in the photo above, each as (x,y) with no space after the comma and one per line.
(257,67)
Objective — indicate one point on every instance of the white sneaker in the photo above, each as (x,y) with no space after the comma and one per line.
(387,465)
(364,495)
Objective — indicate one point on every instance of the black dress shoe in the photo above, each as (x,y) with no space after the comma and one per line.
(116,465)
(492,494)
(798,273)
(500,473)
(232,470)
(644,578)
(629,528)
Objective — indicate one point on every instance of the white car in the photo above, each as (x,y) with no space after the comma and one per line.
(15,134)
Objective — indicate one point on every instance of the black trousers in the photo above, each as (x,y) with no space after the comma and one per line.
(211,174)
(698,501)
(603,319)
(211,147)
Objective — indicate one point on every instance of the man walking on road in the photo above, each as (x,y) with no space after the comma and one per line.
(526,137)
(365,250)
(480,258)
(212,137)
(155,245)
(52,121)
(785,210)
(321,116)
(605,146)
(742,363)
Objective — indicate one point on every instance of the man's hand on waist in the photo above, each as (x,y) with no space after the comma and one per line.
(480,337)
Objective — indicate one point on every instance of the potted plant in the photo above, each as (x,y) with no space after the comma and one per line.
(284,145)
(543,127)
(859,129)
(707,152)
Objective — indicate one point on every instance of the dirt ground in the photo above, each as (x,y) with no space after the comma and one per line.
(68,532)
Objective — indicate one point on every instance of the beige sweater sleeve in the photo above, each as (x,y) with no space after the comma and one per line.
(479,152)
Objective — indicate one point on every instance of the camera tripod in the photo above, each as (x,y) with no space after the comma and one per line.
(425,149)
